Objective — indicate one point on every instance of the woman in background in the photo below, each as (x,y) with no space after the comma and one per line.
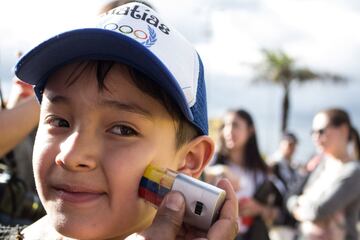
(330,202)
(240,160)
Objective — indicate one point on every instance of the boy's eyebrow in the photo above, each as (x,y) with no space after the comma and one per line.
(129,107)
(57,99)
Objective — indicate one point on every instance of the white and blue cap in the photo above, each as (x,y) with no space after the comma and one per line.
(135,35)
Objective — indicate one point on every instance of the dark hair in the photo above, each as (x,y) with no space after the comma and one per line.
(116,3)
(289,136)
(338,117)
(185,131)
(252,159)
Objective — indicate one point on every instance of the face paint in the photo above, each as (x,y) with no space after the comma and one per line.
(203,201)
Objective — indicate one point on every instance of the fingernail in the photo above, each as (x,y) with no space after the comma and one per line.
(174,201)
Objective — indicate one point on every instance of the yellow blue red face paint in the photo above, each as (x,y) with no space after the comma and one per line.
(202,200)
(155,184)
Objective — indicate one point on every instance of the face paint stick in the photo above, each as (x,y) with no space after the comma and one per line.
(203,201)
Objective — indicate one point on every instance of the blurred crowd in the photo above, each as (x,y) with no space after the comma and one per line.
(280,199)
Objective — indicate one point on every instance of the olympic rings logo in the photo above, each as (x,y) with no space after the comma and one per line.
(126,29)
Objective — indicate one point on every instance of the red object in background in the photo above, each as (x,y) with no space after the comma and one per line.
(246,220)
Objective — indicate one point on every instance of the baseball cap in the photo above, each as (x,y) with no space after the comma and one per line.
(135,35)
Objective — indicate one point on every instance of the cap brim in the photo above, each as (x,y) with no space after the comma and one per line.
(98,44)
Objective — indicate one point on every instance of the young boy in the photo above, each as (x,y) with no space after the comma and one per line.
(114,99)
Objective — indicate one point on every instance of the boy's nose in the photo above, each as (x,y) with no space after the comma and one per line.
(79,152)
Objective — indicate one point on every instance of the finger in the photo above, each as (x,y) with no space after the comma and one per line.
(226,227)
(193,232)
(231,202)
(168,219)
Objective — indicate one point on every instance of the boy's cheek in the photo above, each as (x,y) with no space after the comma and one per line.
(43,156)
(170,160)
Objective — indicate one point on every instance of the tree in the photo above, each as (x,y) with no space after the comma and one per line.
(279,68)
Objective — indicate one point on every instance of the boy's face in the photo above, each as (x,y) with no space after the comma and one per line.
(92,148)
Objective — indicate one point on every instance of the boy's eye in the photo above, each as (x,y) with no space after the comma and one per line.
(58,122)
(123,130)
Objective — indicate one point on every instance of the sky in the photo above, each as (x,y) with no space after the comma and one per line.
(229,34)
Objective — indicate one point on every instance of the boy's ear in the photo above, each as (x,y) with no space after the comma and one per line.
(196,155)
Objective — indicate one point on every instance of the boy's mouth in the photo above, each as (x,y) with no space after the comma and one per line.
(77,193)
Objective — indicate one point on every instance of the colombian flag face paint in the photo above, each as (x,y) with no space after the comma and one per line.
(155,184)
(203,201)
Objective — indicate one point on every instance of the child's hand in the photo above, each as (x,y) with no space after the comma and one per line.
(168,222)
(19,92)
(24,89)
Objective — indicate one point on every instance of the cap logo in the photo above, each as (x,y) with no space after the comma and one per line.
(152,38)
(143,15)
(149,36)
